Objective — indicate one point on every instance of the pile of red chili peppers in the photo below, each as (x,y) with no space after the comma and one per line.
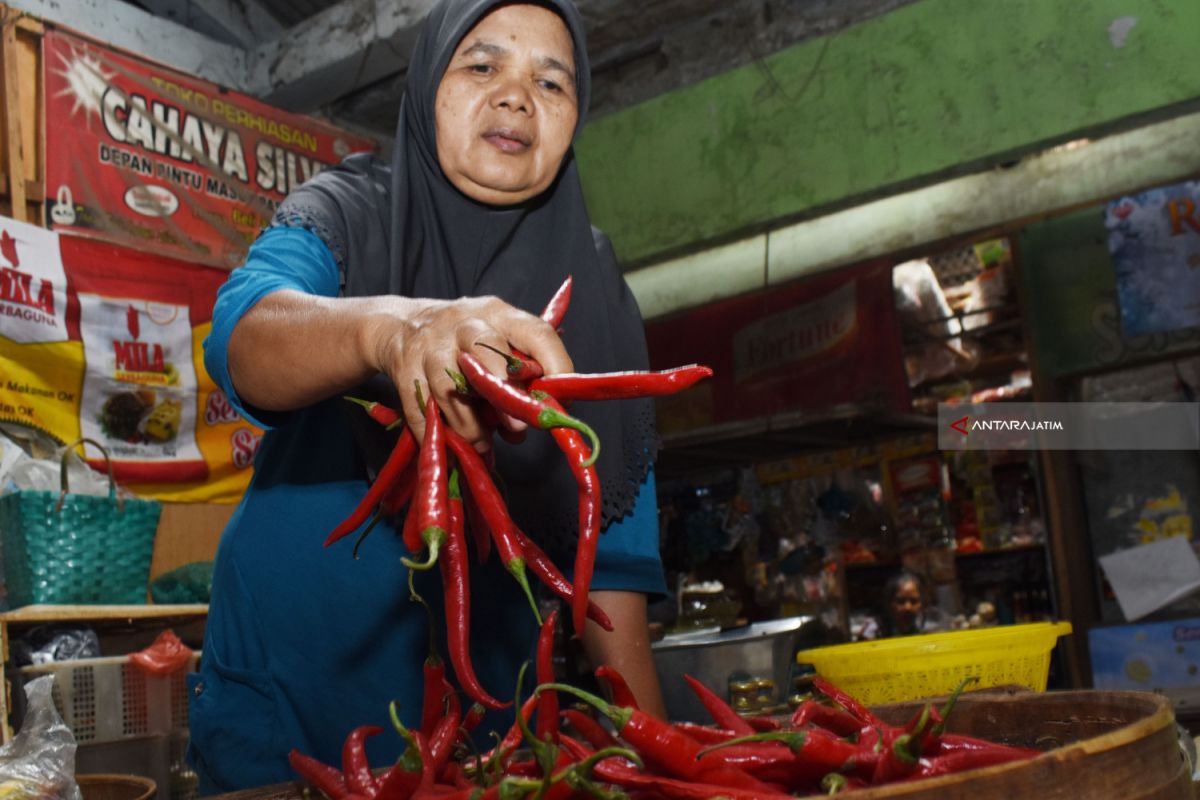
(829,746)
(449,493)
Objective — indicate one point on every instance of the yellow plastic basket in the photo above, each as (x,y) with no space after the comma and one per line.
(930,664)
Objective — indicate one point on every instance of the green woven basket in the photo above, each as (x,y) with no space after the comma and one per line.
(63,548)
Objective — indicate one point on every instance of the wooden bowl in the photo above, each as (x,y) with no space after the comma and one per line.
(116,787)
(1100,745)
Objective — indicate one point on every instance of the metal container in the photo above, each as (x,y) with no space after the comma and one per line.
(715,658)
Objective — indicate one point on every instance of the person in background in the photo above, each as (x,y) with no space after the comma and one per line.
(374,276)
(905,611)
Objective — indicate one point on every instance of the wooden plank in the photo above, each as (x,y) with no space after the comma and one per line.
(35,191)
(188,532)
(10,101)
(30,25)
(50,613)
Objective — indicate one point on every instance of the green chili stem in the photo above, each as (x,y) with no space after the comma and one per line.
(793,739)
(460,382)
(619,716)
(553,418)
(517,568)
(434,537)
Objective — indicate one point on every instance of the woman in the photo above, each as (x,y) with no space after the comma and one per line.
(905,612)
(375,276)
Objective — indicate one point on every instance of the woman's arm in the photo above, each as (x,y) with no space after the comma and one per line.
(292,349)
(627,647)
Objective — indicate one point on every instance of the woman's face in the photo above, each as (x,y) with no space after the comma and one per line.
(906,604)
(506,106)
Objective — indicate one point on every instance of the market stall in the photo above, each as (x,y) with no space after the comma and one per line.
(851,605)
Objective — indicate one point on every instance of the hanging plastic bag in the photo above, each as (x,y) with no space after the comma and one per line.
(39,762)
(166,655)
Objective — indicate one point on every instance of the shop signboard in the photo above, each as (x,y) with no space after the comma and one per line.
(140,155)
(1154,238)
(808,347)
(103,341)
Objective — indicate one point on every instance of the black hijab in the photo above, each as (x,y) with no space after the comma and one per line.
(402,228)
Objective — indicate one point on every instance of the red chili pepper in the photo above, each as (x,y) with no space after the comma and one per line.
(540,565)
(588,728)
(569,386)
(401,455)
(547,715)
(519,366)
(472,718)
(510,400)
(623,774)
(556,309)
(831,719)
(512,739)
(957,742)
(590,498)
(706,734)
(404,777)
(328,780)
(359,778)
(718,709)
(809,755)
(433,673)
(453,704)
(966,759)
(441,744)
(663,746)
(377,411)
(763,723)
(401,492)
(494,511)
(431,504)
(618,687)
(896,759)
(457,593)
(477,527)
(843,699)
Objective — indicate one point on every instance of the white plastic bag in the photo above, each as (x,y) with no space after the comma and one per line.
(39,762)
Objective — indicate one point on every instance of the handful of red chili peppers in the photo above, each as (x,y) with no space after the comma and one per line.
(445,483)
(829,746)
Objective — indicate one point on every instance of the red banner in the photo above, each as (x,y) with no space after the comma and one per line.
(105,342)
(827,341)
(140,155)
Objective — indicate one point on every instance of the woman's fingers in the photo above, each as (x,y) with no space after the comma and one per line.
(532,335)
(420,352)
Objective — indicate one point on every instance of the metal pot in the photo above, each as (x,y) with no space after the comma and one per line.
(716,657)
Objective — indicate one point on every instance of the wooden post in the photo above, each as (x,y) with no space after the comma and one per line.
(10,90)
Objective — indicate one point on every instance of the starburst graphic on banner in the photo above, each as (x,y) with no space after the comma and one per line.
(85,79)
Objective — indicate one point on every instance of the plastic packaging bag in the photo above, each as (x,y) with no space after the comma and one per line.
(47,645)
(166,655)
(39,763)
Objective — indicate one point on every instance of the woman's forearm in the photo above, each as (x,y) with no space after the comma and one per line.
(292,349)
(627,647)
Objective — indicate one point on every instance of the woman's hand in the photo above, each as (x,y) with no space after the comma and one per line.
(293,349)
(416,342)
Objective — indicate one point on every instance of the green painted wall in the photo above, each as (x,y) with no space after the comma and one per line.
(935,85)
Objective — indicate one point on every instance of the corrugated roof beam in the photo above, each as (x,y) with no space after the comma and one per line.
(141,32)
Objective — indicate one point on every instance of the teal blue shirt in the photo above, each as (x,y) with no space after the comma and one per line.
(305,643)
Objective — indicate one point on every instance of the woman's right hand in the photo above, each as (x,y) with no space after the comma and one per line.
(414,341)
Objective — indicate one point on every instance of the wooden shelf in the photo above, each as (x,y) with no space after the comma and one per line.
(866,565)
(92,613)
